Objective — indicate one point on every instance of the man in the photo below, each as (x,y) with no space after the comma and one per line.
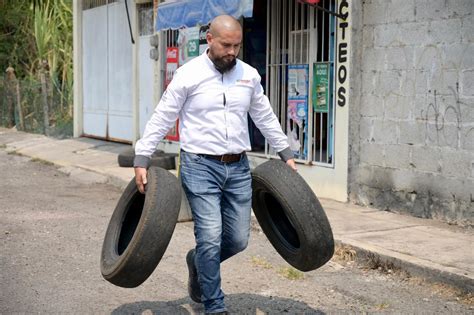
(212,95)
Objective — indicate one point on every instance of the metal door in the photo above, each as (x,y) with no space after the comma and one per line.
(95,71)
(145,64)
(107,71)
(145,79)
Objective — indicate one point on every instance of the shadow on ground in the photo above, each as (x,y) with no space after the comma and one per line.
(236,304)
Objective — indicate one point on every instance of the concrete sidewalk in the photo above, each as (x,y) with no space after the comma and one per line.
(424,248)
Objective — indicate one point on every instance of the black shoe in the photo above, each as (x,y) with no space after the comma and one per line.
(219,313)
(194,289)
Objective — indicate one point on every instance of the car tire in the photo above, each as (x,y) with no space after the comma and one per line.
(140,229)
(166,161)
(159,158)
(291,216)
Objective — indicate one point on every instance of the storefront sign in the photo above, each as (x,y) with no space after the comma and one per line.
(188,43)
(297,116)
(171,66)
(202,38)
(320,90)
(343,53)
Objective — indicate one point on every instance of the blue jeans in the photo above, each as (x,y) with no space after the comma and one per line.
(220,196)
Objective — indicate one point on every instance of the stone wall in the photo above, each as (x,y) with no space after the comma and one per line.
(412,128)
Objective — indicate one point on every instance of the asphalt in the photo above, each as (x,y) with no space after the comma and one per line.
(425,248)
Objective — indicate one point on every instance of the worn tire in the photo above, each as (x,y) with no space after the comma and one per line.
(159,158)
(291,216)
(166,161)
(140,229)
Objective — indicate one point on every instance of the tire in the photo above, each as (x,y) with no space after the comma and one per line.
(166,161)
(291,216)
(158,158)
(140,229)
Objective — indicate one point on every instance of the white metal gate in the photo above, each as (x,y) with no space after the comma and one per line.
(146,65)
(107,70)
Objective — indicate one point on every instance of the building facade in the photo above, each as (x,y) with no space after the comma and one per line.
(412,115)
(375,96)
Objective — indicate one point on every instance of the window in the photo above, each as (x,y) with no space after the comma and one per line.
(145,19)
(90,4)
(299,77)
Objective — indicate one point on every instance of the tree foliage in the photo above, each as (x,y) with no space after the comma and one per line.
(16,43)
(37,31)
(36,39)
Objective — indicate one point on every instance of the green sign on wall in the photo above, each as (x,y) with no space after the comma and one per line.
(193,48)
(320,90)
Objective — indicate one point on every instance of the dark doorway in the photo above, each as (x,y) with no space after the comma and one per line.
(255,54)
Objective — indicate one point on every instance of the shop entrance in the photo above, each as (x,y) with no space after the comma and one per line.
(254,50)
(292,46)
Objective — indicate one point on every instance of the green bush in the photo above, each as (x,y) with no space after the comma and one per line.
(36,41)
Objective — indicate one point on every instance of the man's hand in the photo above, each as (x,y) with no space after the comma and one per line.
(291,163)
(140,179)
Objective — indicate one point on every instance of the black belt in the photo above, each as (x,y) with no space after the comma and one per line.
(225,158)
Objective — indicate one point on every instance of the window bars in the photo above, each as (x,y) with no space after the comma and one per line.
(301,37)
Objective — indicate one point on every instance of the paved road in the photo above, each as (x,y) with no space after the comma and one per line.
(51,231)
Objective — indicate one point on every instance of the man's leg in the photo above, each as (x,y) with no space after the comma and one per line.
(202,180)
(235,207)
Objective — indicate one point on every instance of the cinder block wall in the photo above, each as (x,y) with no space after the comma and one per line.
(412,130)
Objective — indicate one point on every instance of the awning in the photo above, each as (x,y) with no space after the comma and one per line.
(188,13)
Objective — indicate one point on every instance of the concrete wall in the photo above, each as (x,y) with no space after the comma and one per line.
(412,117)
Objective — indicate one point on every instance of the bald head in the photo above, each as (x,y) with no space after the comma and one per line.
(224,39)
(223,23)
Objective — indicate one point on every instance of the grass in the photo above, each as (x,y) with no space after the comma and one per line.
(44,162)
(374,262)
(3,146)
(344,253)
(465,298)
(258,261)
(382,306)
(445,290)
(14,152)
(38,160)
(290,273)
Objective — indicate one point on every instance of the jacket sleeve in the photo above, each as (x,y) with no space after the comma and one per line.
(163,118)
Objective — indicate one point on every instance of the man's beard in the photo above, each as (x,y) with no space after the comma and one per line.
(224,66)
